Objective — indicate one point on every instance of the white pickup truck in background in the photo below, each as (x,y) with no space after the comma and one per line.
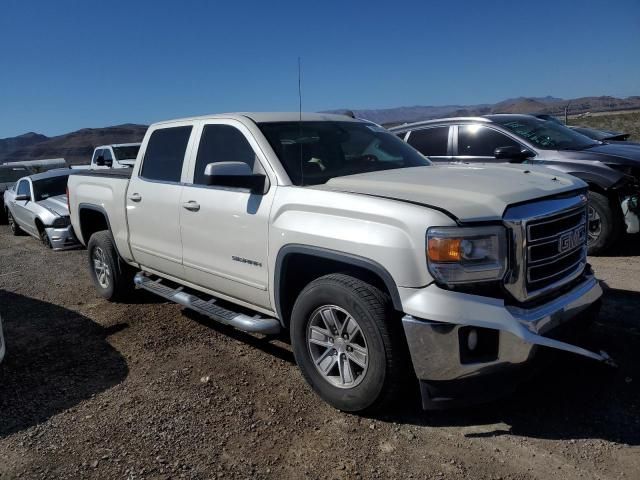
(122,155)
(381,266)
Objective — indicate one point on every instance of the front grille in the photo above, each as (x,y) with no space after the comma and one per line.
(548,245)
(556,248)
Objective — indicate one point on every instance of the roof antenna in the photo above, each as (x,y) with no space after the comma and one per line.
(300,119)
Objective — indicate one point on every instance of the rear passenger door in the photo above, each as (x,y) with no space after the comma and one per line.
(153,200)
(432,142)
(225,229)
(479,142)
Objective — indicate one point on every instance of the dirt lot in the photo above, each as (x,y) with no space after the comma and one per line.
(146,390)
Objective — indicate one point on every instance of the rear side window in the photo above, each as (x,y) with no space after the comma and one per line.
(222,143)
(431,142)
(165,154)
(478,141)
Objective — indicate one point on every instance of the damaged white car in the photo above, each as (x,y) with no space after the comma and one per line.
(37,205)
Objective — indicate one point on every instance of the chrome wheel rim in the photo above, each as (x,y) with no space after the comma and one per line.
(45,239)
(594,225)
(337,346)
(100,267)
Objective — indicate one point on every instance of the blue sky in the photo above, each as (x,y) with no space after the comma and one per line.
(68,64)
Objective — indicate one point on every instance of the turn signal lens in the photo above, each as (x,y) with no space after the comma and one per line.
(444,249)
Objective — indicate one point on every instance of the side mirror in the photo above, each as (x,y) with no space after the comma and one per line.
(100,161)
(23,198)
(234,174)
(513,154)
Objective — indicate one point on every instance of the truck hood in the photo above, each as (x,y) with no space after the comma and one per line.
(57,205)
(469,192)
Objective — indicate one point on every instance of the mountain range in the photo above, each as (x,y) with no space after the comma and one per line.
(77,147)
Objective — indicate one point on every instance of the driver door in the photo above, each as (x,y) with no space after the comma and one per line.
(21,213)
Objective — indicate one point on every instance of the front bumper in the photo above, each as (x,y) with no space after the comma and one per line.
(62,238)
(437,324)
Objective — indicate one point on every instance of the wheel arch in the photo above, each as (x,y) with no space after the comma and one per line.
(92,219)
(320,261)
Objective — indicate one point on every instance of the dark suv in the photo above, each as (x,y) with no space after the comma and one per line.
(611,170)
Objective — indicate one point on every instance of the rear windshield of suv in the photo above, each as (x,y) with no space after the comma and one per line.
(312,153)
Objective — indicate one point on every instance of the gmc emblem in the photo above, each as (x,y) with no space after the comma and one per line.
(572,239)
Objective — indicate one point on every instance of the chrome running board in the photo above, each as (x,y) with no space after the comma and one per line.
(206,305)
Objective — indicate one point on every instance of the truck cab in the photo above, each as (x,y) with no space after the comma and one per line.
(122,155)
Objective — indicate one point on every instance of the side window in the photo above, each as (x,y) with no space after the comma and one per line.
(107,155)
(431,142)
(165,154)
(23,188)
(96,154)
(479,141)
(222,143)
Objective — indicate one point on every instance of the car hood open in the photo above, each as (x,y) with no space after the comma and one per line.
(471,193)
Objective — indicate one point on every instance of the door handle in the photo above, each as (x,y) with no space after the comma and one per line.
(191,206)
(135,197)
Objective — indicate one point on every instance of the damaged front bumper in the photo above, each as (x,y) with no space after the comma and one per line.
(62,238)
(458,338)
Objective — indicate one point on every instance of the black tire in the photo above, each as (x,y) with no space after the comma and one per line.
(117,282)
(13,226)
(379,324)
(3,212)
(44,237)
(608,228)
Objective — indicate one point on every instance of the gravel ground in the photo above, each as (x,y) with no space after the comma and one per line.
(91,389)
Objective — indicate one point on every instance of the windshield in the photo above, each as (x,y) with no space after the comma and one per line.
(12,174)
(312,153)
(50,187)
(126,153)
(546,134)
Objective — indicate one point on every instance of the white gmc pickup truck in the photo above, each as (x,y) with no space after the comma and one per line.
(382,267)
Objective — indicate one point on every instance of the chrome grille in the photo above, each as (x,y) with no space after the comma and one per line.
(549,245)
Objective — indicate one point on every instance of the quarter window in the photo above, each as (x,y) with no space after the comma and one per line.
(222,143)
(165,154)
(431,142)
(479,141)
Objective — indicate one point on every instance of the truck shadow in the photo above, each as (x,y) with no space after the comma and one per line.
(56,358)
(627,246)
(574,398)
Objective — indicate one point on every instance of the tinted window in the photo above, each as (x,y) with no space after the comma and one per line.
(313,153)
(478,141)
(431,141)
(165,154)
(97,154)
(107,155)
(222,143)
(129,152)
(23,188)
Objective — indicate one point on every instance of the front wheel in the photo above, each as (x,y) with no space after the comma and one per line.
(111,276)
(347,342)
(604,224)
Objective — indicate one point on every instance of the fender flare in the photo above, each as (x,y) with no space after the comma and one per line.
(334,255)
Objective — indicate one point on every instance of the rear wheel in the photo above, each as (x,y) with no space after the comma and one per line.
(604,225)
(111,276)
(13,226)
(347,343)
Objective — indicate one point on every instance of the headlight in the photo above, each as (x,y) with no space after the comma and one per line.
(466,255)
(61,222)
